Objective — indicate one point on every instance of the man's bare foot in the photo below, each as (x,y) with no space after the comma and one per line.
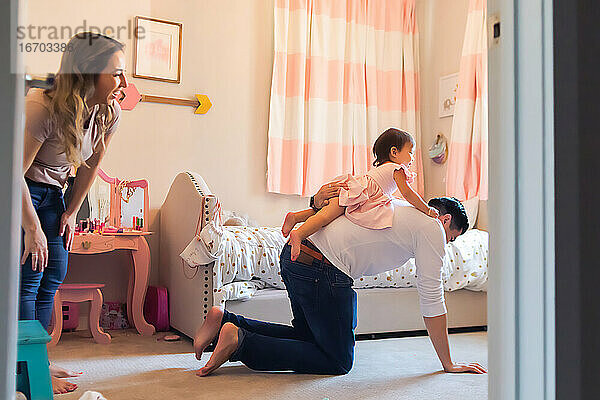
(227,344)
(208,331)
(295,241)
(59,372)
(288,224)
(60,386)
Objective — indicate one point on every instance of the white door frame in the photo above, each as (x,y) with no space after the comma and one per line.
(11,161)
(521,148)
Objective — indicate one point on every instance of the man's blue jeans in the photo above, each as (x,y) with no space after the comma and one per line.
(321,338)
(38,288)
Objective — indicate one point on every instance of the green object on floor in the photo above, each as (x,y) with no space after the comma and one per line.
(33,374)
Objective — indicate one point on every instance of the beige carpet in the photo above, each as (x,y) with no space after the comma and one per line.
(134,367)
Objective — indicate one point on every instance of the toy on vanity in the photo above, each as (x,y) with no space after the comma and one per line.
(116,207)
(95,226)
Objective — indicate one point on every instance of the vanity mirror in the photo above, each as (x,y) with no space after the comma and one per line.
(119,203)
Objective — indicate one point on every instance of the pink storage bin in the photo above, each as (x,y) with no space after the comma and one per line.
(70,313)
(156,308)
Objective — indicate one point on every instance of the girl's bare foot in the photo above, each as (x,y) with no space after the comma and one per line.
(60,386)
(208,331)
(295,242)
(226,346)
(59,372)
(288,224)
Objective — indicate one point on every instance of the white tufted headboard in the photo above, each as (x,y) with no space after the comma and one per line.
(188,204)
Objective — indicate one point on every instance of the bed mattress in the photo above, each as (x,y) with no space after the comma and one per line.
(380,310)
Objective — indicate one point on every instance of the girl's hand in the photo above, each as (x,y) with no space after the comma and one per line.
(67,228)
(35,243)
(433,212)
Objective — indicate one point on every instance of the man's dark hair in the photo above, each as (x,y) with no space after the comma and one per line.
(451,205)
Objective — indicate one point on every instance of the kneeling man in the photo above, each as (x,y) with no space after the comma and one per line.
(319,284)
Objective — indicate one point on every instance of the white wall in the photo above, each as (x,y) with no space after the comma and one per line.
(441,35)
(228,55)
(442,30)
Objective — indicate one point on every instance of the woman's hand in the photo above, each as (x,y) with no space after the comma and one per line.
(35,243)
(327,191)
(457,368)
(67,228)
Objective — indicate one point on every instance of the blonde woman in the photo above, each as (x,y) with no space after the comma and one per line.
(68,125)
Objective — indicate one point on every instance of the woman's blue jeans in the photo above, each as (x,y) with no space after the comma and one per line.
(38,288)
(321,337)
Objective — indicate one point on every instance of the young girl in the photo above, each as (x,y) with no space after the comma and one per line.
(368,200)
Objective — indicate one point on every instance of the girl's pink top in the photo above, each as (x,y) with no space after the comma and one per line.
(368,199)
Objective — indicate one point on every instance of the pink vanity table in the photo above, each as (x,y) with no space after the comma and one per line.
(96,244)
(138,272)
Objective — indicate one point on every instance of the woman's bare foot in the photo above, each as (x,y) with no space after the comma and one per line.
(227,344)
(59,372)
(60,386)
(208,331)
(288,223)
(295,241)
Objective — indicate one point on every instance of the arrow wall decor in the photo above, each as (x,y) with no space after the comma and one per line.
(131,97)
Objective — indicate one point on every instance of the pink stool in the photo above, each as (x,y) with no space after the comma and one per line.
(76,293)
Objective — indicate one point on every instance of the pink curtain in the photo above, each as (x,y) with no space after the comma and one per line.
(467,174)
(343,72)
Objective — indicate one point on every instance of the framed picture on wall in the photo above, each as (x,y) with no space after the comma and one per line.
(447,95)
(157,50)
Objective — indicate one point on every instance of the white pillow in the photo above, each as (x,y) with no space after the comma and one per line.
(233,218)
(472,208)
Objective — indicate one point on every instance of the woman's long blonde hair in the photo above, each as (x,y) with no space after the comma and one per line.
(85,57)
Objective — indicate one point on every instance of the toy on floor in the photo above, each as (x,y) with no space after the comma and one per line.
(114,315)
(89,395)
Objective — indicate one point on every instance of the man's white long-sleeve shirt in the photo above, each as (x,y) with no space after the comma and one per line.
(359,251)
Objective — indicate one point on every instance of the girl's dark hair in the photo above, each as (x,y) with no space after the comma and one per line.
(390,138)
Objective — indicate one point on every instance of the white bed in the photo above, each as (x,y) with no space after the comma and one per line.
(237,279)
